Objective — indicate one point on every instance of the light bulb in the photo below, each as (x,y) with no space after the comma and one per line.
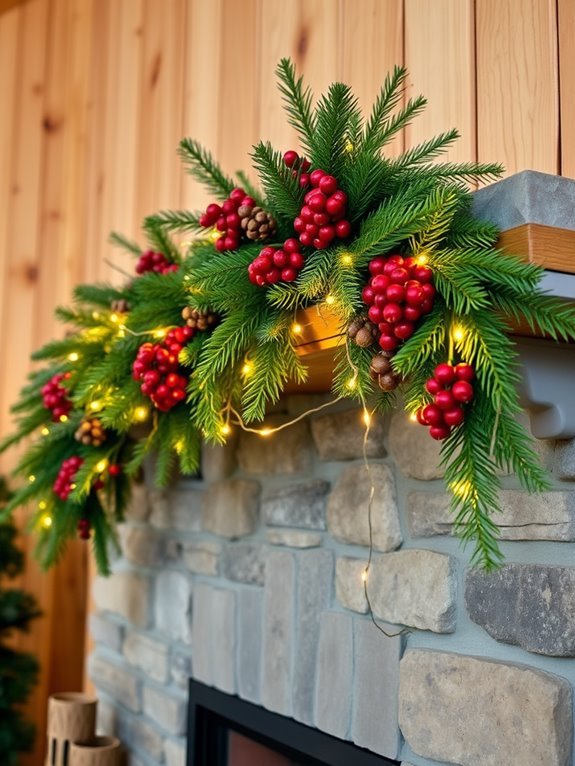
(296,328)
(101,466)
(226,429)
(458,333)
(31,478)
(346,259)
(141,414)
(73,357)
(46,521)
(330,300)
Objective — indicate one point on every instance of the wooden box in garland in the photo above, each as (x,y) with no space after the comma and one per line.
(203,337)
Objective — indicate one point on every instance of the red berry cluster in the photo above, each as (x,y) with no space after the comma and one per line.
(84,529)
(452,389)
(273,264)
(65,479)
(55,396)
(226,219)
(322,217)
(156,262)
(158,368)
(398,294)
(298,165)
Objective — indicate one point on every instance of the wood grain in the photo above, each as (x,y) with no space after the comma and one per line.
(566,30)
(548,246)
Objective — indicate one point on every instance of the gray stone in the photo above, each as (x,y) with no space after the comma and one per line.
(415,588)
(495,713)
(180,508)
(126,594)
(137,734)
(564,462)
(294,538)
(106,718)
(175,752)
(244,562)
(541,516)
(214,637)
(250,643)
(286,452)
(141,546)
(138,508)
(167,710)
(340,436)
(527,197)
(374,722)
(180,669)
(173,549)
(219,460)
(348,507)
(202,557)
(297,404)
(149,655)
(117,681)
(349,585)
(334,680)
(314,586)
(416,454)
(106,632)
(529,605)
(173,605)
(278,632)
(297,505)
(230,508)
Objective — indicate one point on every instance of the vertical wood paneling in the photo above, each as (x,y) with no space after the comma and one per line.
(566,27)
(440,57)
(517,84)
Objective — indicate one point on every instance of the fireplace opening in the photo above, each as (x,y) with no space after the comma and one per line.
(226,731)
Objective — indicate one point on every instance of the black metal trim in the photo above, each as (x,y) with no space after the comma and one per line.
(212,713)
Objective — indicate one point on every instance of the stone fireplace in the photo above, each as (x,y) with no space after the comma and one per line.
(249,580)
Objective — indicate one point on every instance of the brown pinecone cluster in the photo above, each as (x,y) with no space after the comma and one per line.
(256,223)
(90,432)
(199,320)
(365,333)
(120,306)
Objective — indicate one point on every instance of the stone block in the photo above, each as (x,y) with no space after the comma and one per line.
(214,637)
(415,588)
(106,717)
(175,752)
(541,516)
(118,682)
(287,452)
(180,508)
(297,404)
(180,668)
(530,605)
(496,713)
(136,733)
(230,508)
(278,632)
(126,594)
(294,538)
(349,585)
(314,587)
(106,632)
(527,197)
(140,545)
(219,460)
(167,710)
(159,508)
(334,679)
(173,604)
(149,655)
(173,549)
(340,435)
(410,445)
(297,505)
(348,507)
(244,562)
(250,643)
(374,722)
(564,459)
(202,557)
(138,508)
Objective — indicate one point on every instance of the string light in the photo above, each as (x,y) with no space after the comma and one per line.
(247,369)
(296,328)
(422,259)
(160,333)
(63,418)
(225,430)
(96,315)
(95,405)
(46,521)
(364,575)
(329,299)
(73,357)
(458,333)
(179,446)
(214,235)
(141,414)
(101,466)
(349,147)
(413,417)
(346,259)
(352,383)
(42,505)
(31,478)
(366,417)
(461,488)
(45,431)
(265,431)
(114,318)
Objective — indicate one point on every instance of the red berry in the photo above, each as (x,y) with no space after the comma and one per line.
(423,273)
(395,293)
(462,391)
(273,276)
(335,207)
(306,239)
(326,234)
(316,176)
(368,295)
(289,274)
(444,399)
(304,180)
(376,265)
(414,295)
(454,416)
(388,342)
(380,283)
(291,245)
(317,202)
(280,259)
(306,213)
(299,224)
(375,314)
(327,184)
(420,417)
(296,260)
(237,195)
(321,219)
(305,165)
(464,372)
(399,275)
(411,313)
(439,432)
(433,415)
(380,300)
(444,373)
(403,330)
(290,158)
(392,312)
(433,386)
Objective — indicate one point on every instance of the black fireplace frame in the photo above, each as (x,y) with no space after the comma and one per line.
(212,713)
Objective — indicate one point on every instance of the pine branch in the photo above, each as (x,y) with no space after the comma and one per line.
(282,190)
(297,103)
(127,244)
(425,151)
(203,167)
(389,97)
(335,112)
(176,220)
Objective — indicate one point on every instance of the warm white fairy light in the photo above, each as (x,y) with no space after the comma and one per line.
(141,414)
(422,259)
(247,369)
(31,478)
(364,575)
(73,357)
(413,417)
(42,505)
(346,259)
(63,418)
(352,383)
(160,333)
(366,417)
(45,431)
(329,299)
(296,328)
(226,430)
(101,465)
(46,521)
(458,333)
(95,405)
(114,318)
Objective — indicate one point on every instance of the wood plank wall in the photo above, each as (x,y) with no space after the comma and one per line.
(95,95)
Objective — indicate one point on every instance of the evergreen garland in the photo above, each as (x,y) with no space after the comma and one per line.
(241,349)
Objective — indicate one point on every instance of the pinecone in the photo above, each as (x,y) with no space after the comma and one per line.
(199,320)
(381,370)
(90,432)
(256,223)
(363,332)
(120,306)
